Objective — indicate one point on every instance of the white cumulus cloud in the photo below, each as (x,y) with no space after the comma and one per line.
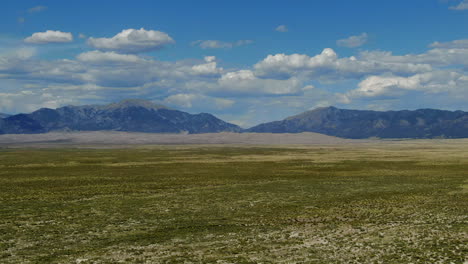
(133,41)
(353,41)
(37,9)
(431,82)
(217,44)
(110,56)
(208,68)
(245,82)
(435,57)
(49,36)
(456,44)
(282,28)
(463,5)
(328,66)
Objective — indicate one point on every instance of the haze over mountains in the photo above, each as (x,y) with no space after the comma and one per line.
(145,116)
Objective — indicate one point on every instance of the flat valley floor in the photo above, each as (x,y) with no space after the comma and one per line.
(342,202)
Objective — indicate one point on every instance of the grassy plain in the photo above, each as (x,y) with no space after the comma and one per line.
(388,202)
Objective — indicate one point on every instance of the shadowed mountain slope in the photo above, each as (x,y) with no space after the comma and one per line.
(144,116)
(422,123)
(127,115)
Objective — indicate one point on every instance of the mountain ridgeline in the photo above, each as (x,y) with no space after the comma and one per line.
(128,115)
(358,124)
(145,116)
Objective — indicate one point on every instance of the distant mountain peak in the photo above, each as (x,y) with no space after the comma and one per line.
(325,107)
(135,103)
(316,111)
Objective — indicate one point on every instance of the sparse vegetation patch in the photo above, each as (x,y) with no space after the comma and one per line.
(400,202)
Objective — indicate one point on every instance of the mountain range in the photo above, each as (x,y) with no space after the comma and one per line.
(357,124)
(127,115)
(145,116)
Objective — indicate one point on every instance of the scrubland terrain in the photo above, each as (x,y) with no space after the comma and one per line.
(113,139)
(375,202)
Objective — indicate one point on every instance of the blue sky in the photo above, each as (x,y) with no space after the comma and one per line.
(244,61)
